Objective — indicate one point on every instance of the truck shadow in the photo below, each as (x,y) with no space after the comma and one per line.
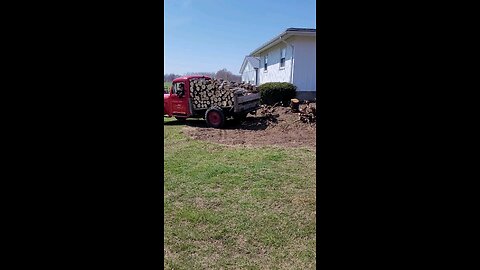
(250,123)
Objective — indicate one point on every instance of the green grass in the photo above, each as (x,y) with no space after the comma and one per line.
(167,84)
(241,208)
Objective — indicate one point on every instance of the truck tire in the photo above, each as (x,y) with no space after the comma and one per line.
(215,117)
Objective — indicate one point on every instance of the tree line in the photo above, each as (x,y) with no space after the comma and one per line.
(221,74)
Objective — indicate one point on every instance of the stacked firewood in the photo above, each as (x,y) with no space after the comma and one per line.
(208,93)
(249,87)
(308,114)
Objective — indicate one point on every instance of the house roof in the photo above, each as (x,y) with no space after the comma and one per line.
(254,61)
(284,35)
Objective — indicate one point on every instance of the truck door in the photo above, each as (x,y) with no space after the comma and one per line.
(179,99)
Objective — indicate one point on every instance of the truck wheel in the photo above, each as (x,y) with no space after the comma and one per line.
(215,117)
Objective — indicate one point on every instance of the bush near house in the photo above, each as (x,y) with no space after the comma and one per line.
(273,92)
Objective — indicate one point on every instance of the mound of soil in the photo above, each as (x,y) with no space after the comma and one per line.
(284,130)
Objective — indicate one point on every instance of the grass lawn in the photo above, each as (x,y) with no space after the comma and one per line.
(167,84)
(241,208)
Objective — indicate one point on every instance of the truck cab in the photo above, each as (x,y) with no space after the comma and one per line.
(177,102)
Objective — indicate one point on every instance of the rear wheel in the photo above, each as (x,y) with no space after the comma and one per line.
(215,117)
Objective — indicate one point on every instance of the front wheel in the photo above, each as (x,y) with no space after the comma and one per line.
(215,117)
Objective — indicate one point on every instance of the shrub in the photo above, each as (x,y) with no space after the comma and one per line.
(273,92)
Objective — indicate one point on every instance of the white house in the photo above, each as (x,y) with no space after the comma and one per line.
(249,69)
(289,57)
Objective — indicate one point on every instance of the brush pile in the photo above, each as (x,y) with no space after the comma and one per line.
(308,114)
(268,112)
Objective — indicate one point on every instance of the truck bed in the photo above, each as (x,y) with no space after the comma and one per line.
(246,103)
(241,104)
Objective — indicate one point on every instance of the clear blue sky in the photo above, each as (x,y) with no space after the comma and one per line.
(208,35)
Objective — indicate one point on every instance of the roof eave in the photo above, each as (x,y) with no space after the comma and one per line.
(278,39)
(267,44)
(243,64)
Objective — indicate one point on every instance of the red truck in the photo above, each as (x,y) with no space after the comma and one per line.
(178,103)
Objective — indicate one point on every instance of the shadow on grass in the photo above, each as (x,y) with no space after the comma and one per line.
(250,123)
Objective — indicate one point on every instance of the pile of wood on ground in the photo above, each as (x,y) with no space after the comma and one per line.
(207,93)
(308,114)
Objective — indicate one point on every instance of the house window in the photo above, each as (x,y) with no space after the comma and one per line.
(282,57)
(265,61)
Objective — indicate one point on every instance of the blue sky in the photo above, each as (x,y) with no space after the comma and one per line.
(208,35)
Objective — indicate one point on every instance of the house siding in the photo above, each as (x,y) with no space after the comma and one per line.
(248,74)
(301,60)
(304,76)
(274,73)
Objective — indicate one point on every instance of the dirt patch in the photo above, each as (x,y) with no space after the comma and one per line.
(284,130)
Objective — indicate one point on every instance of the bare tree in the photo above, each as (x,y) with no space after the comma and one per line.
(209,74)
(221,74)
(170,77)
(227,75)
